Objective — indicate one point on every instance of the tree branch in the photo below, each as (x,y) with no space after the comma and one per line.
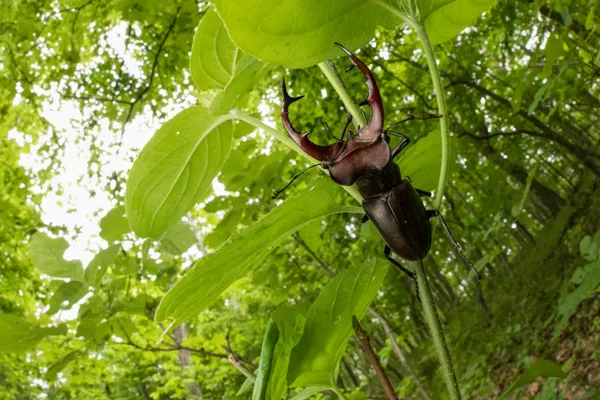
(175,348)
(151,78)
(320,262)
(396,348)
(372,357)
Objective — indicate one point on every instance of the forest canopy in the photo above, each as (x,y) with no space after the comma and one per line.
(147,249)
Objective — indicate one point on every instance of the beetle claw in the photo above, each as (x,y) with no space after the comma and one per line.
(320,153)
(286,97)
(350,68)
(375,126)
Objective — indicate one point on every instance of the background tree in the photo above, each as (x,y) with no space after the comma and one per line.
(96,78)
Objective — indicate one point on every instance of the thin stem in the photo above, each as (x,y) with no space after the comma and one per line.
(419,29)
(285,139)
(435,328)
(241,367)
(363,336)
(336,81)
(442,110)
(339,393)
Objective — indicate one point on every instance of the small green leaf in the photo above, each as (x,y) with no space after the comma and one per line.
(102,332)
(96,269)
(290,325)
(369,232)
(247,73)
(266,361)
(19,335)
(61,364)
(444,19)
(423,160)
(590,20)
(214,54)
(175,169)
(70,292)
(47,256)
(540,368)
(114,225)
(178,239)
(87,325)
(210,276)
(298,34)
(123,327)
(589,247)
(315,360)
(553,50)
(306,393)
(537,97)
(125,265)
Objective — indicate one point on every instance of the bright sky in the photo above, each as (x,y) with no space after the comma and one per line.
(74,199)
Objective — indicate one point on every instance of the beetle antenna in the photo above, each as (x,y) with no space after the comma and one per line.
(412,117)
(329,130)
(279,191)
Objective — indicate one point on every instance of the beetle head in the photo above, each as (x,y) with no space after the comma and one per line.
(360,154)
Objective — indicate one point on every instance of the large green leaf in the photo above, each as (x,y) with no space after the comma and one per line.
(315,360)
(69,292)
(218,65)
(214,54)
(540,368)
(96,269)
(444,19)
(18,335)
(47,256)
(212,274)
(301,33)
(175,169)
(423,160)
(290,325)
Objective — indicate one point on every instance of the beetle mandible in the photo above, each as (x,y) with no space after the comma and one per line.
(366,159)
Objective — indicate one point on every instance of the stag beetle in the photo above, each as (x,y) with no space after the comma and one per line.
(366,159)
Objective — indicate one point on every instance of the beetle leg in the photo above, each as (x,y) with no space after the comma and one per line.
(364,219)
(386,253)
(435,213)
(423,193)
(411,275)
(403,143)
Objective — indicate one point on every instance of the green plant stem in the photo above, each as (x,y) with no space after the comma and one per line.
(285,139)
(442,110)
(241,367)
(339,394)
(440,96)
(336,81)
(435,328)
(429,308)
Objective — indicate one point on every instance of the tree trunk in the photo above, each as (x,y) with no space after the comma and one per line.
(183,356)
